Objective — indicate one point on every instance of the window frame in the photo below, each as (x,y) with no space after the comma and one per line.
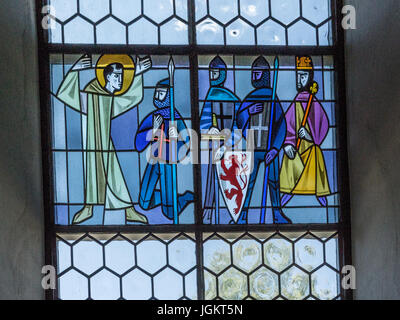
(343,227)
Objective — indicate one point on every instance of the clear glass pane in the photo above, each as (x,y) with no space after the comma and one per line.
(137,262)
(125,21)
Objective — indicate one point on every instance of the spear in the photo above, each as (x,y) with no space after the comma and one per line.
(313,92)
(171,71)
(265,187)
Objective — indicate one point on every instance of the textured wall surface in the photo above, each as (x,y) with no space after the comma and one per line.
(21,213)
(373,93)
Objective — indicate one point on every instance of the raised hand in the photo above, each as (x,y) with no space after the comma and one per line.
(143,64)
(290,151)
(83,63)
(256,108)
(213,131)
(157,121)
(304,134)
(271,156)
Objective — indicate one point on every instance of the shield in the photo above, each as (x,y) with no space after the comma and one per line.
(233,172)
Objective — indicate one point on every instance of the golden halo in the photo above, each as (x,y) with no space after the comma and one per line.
(127,63)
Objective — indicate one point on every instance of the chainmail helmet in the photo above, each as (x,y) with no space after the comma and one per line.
(218,63)
(166,101)
(261,64)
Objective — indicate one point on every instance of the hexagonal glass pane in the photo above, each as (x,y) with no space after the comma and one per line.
(210,286)
(55,33)
(126,10)
(181,9)
(104,286)
(302,34)
(285,10)
(110,31)
(119,256)
(94,9)
(232,285)
(247,254)
(223,10)
(295,284)
(63,9)
(278,254)
(239,33)
(309,253)
(168,285)
(264,284)
(158,10)
(78,31)
(151,255)
(324,283)
(191,285)
(174,32)
(325,34)
(136,285)
(87,256)
(142,32)
(217,255)
(331,253)
(182,254)
(271,33)
(209,32)
(200,9)
(63,256)
(73,286)
(316,11)
(254,10)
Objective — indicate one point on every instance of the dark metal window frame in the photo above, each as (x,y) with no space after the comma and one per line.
(193,50)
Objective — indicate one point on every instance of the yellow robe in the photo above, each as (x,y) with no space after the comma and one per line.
(306,173)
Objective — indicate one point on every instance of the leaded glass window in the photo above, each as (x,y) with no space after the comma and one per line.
(194,149)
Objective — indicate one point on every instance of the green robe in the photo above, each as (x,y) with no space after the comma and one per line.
(105,183)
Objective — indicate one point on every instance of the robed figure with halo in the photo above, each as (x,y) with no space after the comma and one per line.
(117,88)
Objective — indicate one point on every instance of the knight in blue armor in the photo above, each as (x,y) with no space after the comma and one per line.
(156,130)
(254,117)
(218,115)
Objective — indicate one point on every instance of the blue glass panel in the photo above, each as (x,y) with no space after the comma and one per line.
(60,177)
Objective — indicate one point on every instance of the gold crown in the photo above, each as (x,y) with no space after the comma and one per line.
(304,63)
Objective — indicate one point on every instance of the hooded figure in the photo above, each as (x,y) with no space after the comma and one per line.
(218,114)
(253,118)
(303,169)
(157,131)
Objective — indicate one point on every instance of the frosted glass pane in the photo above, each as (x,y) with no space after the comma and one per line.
(209,32)
(223,10)
(239,33)
(254,10)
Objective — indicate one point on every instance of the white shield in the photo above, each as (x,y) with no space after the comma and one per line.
(233,172)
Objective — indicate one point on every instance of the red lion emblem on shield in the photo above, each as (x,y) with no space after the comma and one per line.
(233,175)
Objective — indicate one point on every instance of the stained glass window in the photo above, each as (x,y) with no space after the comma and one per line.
(194,149)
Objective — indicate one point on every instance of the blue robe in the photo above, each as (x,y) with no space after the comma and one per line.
(244,122)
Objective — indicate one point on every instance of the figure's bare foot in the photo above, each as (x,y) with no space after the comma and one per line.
(84,214)
(133,216)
